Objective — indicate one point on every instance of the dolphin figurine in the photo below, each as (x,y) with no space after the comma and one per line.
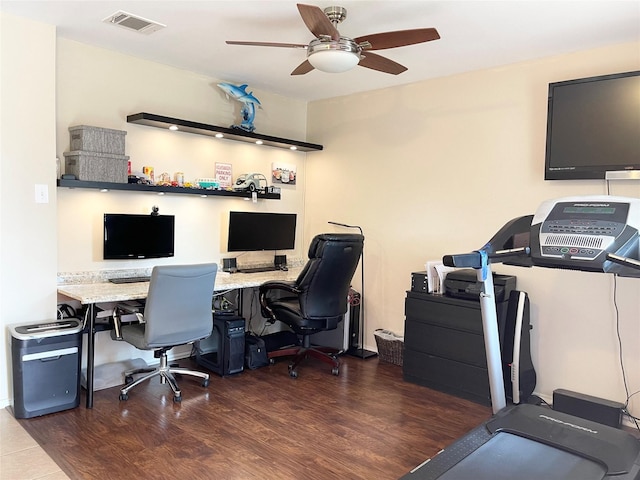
(248,101)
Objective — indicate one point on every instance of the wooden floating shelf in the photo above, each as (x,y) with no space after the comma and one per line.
(159,189)
(158,121)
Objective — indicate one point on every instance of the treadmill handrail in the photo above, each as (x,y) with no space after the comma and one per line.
(625,261)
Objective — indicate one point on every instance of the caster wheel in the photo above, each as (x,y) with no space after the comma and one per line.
(272,361)
(205,383)
(128,379)
(293,374)
(124,397)
(335,371)
(177,398)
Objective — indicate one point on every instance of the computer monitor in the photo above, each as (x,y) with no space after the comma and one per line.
(128,236)
(257,231)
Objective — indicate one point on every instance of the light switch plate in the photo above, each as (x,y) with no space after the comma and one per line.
(42,193)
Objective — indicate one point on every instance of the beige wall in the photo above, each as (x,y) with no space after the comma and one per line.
(437,167)
(27,158)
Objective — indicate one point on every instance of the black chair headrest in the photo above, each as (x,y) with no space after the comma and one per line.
(319,241)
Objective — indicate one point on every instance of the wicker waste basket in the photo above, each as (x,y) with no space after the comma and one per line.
(390,346)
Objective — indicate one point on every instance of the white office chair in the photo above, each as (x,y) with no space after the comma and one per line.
(178,311)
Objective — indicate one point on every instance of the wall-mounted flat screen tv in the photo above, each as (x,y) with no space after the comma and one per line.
(256,231)
(129,236)
(593,127)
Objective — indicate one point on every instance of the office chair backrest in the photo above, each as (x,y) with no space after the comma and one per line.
(178,308)
(326,278)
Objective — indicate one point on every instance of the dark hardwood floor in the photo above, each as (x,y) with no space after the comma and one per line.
(365,424)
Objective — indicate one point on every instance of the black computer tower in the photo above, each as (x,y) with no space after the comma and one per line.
(354,320)
(223,351)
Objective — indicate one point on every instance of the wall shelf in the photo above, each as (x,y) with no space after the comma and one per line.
(158,121)
(135,187)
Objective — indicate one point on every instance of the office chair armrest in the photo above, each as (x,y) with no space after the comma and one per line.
(128,311)
(271,286)
(117,324)
(279,285)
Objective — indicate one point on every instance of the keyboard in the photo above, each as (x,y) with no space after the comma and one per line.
(129,279)
(258,269)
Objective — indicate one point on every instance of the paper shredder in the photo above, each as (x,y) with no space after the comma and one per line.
(46,366)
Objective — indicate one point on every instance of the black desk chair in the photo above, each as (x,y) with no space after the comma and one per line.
(317,299)
(177,311)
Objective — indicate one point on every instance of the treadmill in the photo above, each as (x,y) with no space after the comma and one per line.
(588,233)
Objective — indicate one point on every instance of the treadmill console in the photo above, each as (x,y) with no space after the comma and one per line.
(578,233)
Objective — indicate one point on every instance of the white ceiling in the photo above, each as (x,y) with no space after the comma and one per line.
(475,34)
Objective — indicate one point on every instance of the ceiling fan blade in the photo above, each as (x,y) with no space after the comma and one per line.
(380,63)
(400,38)
(304,67)
(268,44)
(316,21)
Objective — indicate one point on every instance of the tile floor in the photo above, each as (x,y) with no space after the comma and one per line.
(21,458)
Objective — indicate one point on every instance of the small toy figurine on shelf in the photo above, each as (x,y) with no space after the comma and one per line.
(248,101)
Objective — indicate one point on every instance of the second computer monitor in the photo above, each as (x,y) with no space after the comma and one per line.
(257,231)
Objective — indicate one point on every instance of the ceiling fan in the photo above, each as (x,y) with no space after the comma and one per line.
(334,53)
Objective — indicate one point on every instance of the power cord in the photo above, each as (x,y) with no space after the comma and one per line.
(65,311)
(222,303)
(625,409)
(626,412)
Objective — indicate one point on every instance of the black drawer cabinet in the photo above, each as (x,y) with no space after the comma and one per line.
(444,345)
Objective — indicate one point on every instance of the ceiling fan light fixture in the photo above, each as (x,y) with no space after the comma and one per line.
(334,57)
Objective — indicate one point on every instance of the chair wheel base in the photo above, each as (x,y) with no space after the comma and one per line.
(205,383)
(177,398)
(124,397)
(292,372)
(335,371)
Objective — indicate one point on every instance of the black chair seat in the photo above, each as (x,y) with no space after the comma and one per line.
(288,312)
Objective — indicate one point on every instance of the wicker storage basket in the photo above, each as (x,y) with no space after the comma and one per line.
(390,346)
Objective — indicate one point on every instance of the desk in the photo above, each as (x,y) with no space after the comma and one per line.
(91,293)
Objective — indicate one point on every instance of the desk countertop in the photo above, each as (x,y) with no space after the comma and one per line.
(88,293)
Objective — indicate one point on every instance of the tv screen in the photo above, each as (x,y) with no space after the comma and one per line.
(255,231)
(128,236)
(593,127)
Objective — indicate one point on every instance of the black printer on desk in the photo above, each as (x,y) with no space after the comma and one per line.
(464,284)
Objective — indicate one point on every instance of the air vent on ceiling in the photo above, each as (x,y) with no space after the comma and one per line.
(133,22)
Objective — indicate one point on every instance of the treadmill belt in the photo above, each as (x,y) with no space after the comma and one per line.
(506,457)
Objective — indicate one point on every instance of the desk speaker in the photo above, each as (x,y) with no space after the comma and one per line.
(229,265)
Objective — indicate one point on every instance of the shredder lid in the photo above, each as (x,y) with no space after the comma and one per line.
(54,328)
